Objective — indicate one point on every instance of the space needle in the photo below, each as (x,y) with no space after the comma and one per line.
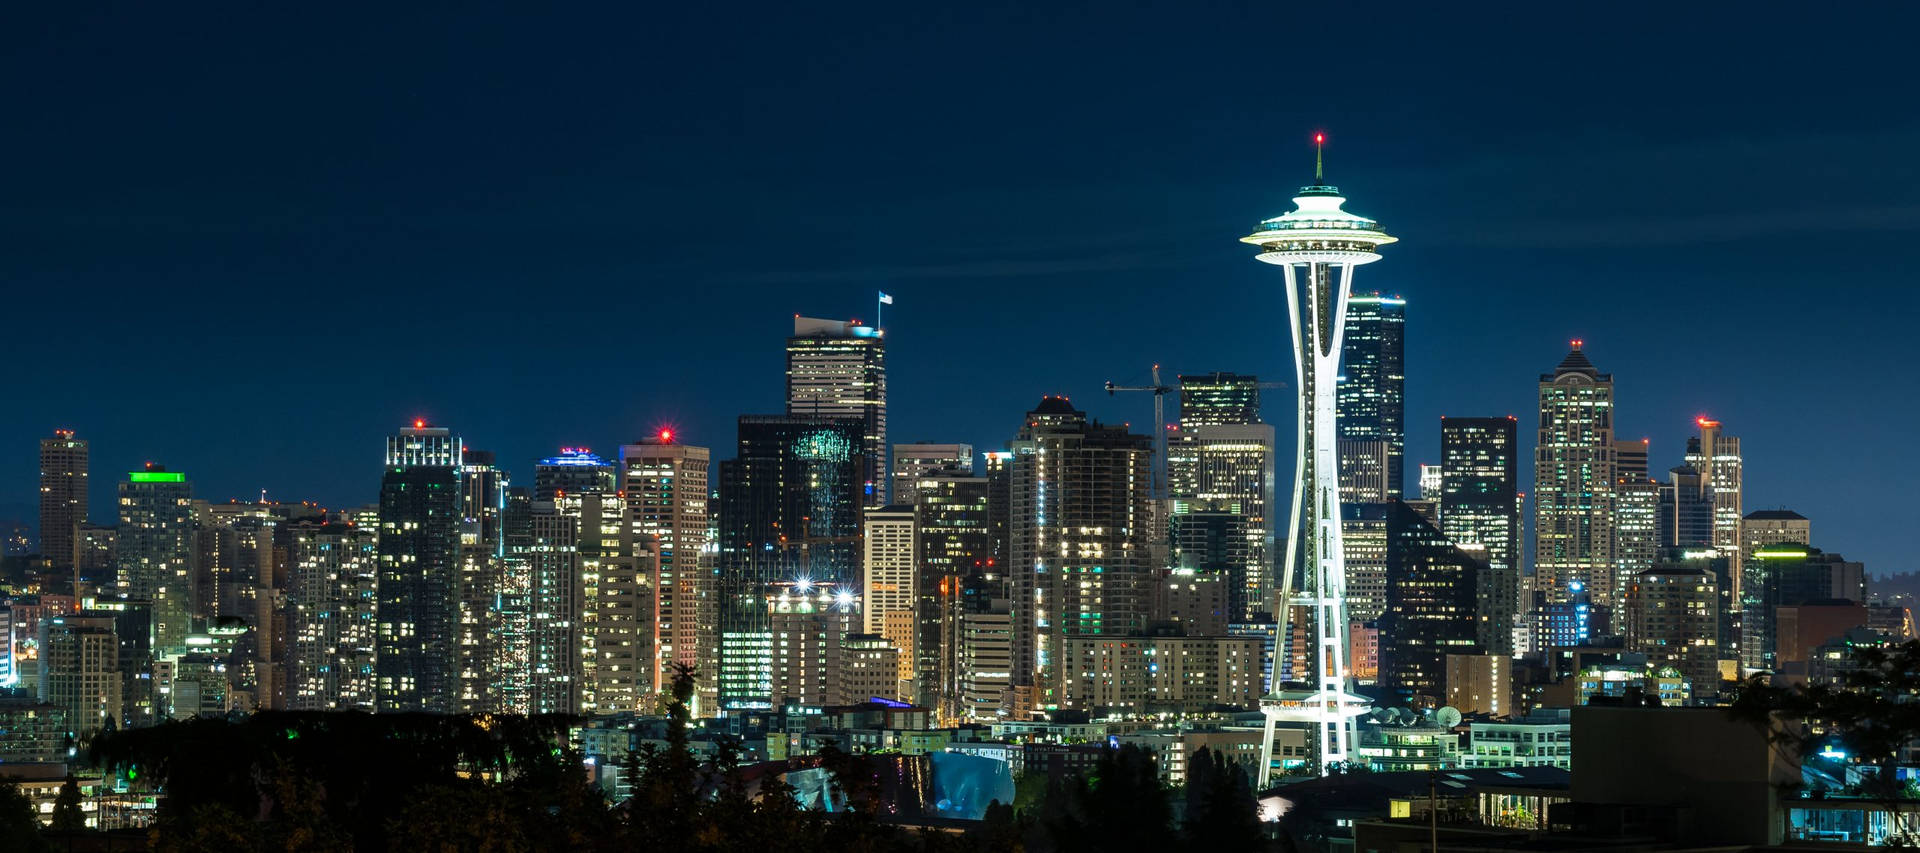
(1317,246)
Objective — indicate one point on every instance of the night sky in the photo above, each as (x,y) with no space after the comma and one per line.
(248,242)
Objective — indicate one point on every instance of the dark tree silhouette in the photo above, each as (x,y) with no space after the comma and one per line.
(19,829)
(1872,715)
(67,815)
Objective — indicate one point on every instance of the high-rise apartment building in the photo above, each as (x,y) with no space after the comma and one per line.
(512,644)
(483,554)
(666,488)
(1673,617)
(1080,512)
(807,623)
(1226,467)
(80,670)
(1573,478)
(790,504)
(571,471)
(417,612)
(589,644)
(63,497)
(837,370)
(332,577)
(616,607)
(1373,378)
(1480,481)
(154,545)
(232,549)
(913,461)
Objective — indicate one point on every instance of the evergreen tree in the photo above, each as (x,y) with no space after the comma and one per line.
(67,816)
(1222,813)
(19,830)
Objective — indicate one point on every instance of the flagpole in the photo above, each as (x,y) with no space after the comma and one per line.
(879,310)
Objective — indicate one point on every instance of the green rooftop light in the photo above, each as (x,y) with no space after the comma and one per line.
(156,477)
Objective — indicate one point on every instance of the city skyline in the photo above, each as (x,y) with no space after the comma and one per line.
(187,248)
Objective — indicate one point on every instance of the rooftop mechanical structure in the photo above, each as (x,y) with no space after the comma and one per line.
(1317,246)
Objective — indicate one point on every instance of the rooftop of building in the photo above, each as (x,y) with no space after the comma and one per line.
(1575,362)
(1775,515)
(1373,790)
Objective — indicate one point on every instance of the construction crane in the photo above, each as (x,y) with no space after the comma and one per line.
(1160,390)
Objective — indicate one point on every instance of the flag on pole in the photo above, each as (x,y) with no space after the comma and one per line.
(885,299)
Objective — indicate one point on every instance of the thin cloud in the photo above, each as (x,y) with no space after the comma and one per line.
(985,268)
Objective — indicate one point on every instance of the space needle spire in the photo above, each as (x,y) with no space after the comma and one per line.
(1317,246)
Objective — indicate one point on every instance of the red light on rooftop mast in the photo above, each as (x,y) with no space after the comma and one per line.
(1319,138)
(419,423)
(666,435)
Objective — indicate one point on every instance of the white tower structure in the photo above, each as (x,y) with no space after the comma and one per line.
(1317,246)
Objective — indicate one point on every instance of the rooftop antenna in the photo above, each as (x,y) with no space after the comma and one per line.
(1319,142)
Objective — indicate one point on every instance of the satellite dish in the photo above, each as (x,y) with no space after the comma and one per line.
(1447,717)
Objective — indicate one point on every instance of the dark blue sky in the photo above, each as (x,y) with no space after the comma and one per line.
(248,241)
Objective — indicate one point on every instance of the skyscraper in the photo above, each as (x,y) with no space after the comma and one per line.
(890,567)
(1432,590)
(1573,478)
(666,488)
(1673,617)
(63,497)
(512,645)
(1317,246)
(1080,516)
(417,613)
(332,571)
(960,574)
(79,671)
(790,503)
(1363,542)
(572,470)
(1636,516)
(913,461)
(1229,467)
(616,608)
(155,547)
(1372,386)
(1363,470)
(1686,510)
(1219,399)
(1772,527)
(1716,456)
(554,605)
(1480,479)
(1786,575)
(483,503)
(838,370)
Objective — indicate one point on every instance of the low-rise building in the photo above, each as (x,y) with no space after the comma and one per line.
(1542,738)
